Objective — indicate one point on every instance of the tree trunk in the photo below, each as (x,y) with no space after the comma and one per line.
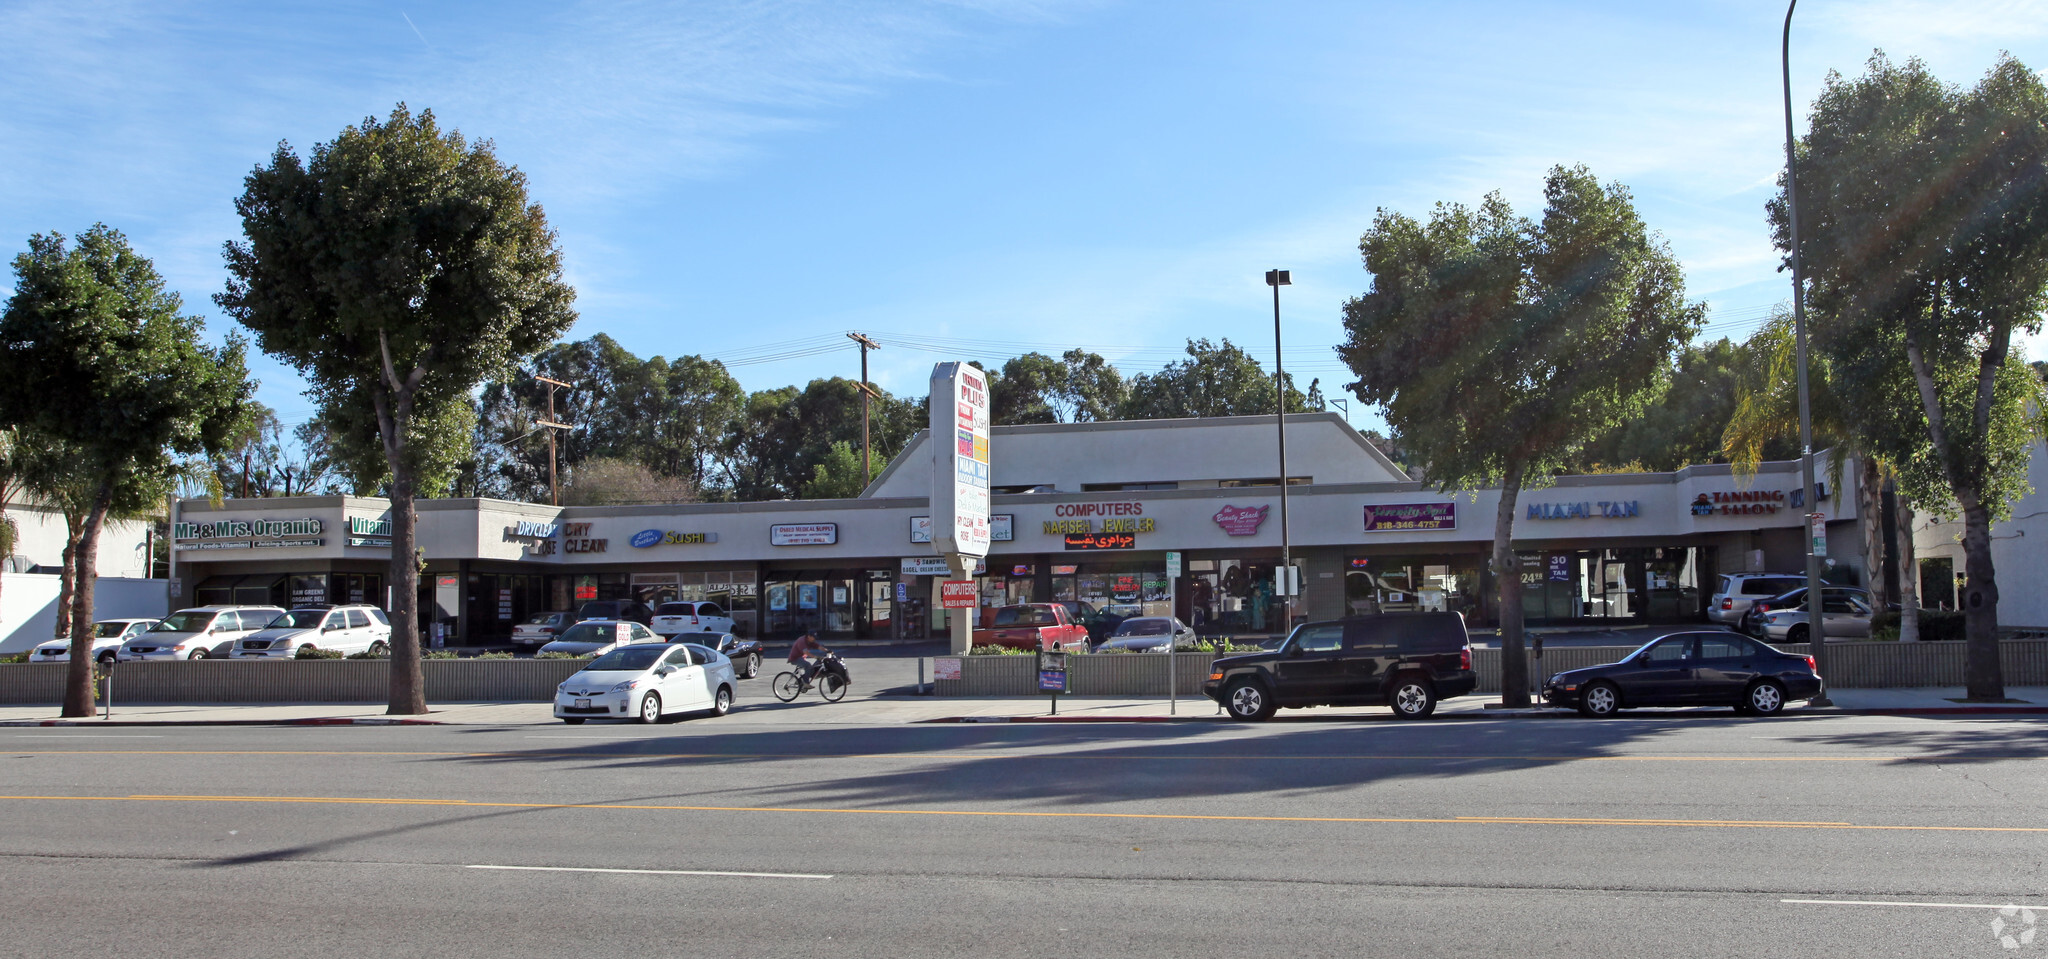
(1983,675)
(408,684)
(1909,575)
(67,575)
(1507,570)
(1870,509)
(78,677)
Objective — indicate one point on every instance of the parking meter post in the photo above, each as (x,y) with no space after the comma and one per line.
(109,708)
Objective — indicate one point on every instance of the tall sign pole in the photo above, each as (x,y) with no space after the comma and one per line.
(960,478)
(554,485)
(1284,580)
(1816,542)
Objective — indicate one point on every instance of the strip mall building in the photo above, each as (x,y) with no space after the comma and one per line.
(1081,512)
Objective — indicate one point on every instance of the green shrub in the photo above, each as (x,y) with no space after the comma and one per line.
(556,656)
(309,652)
(14,658)
(1935,625)
(440,654)
(366,654)
(998,651)
(1220,645)
(494,655)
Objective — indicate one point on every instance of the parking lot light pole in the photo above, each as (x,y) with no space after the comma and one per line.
(1816,601)
(1284,577)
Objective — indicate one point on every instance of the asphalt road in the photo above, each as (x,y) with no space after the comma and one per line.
(1642,836)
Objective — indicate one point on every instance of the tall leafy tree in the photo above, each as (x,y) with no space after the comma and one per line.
(1215,380)
(92,324)
(1923,212)
(1683,425)
(1498,346)
(397,269)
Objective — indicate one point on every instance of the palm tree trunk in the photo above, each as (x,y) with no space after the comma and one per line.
(1909,575)
(1870,507)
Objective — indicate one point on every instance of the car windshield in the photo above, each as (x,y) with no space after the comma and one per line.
(544,619)
(298,619)
(109,630)
(676,609)
(627,659)
(1023,616)
(589,633)
(1142,627)
(186,621)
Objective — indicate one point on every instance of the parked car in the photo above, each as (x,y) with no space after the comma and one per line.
(1148,634)
(198,633)
(593,637)
(1753,618)
(1689,669)
(1738,590)
(107,637)
(627,610)
(1033,626)
(352,629)
(1090,619)
(542,628)
(672,619)
(1846,617)
(1409,661)
(746,654)
(647,683)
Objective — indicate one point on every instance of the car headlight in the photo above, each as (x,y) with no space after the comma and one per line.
(627,685)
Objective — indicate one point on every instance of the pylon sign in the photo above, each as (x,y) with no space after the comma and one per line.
(960,463)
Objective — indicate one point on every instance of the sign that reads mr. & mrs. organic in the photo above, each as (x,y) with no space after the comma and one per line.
(248,528)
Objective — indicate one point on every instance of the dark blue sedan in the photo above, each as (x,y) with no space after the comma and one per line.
(1690,669)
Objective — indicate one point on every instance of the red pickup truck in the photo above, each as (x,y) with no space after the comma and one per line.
(1034,626)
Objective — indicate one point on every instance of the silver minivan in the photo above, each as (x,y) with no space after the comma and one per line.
(198,633)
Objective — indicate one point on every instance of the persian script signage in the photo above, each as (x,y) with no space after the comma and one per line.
(1092,541)
(1409,516)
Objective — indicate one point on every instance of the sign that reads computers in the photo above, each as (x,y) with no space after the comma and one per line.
(960,478)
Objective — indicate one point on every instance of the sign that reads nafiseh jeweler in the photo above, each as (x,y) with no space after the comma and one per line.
(960,460)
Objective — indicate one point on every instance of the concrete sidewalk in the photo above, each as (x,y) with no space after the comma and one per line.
(758,708)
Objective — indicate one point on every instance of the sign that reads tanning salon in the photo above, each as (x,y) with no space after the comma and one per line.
(1753,502)
(803,534)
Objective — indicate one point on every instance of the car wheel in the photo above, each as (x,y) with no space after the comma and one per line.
(1599,700)
(753,666)
(1764,698)
(378,648)
(1797,634)
(650,708)
(573,720)
(105,658)
(1247,700)
(722,703)
(197,654)
(1413,698)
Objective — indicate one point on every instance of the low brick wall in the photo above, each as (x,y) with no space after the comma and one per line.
(1098,674)
(297,681)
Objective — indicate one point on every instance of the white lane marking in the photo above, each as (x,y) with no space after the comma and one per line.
(1912,905)
(83,736)
(661,872)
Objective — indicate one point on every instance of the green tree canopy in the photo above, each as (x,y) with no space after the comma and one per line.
(1215,380)
(397,268)
(1498,346)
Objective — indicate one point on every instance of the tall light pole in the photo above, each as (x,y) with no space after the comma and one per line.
(1816,602)
(1284,577)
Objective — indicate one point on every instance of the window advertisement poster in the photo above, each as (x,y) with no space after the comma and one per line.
(807,596)
(778,597)
(960,459)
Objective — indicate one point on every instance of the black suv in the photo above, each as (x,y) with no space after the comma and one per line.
(625,610)
(1404,660)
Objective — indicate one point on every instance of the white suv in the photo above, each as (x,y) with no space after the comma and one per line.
(198,633)
(343,629)
(675,619)
(107,637)
(1739,590)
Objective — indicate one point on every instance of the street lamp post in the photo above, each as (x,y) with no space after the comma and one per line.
(1285,574)
(1816,602)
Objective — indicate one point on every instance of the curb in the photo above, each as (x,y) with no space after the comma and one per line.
(103,723)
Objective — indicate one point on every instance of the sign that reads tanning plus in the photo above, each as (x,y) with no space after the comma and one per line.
(960,460)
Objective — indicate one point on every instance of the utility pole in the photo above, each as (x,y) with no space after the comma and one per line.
(1816,599)
(554,485)
(867,393)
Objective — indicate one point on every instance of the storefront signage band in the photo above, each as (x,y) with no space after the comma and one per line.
(1624,509)
(1062,527)
(247,529)
(528,529)
(1739,503)
(1389,517)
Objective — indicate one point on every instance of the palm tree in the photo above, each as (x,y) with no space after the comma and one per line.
(1767,409)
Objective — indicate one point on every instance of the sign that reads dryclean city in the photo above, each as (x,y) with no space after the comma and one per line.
(1621,509)
(1241,520)
(960,459)
(1386,517)
(659,537)
(803,534)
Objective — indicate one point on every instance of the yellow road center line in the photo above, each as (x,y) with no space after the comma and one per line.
(1117,757)
(1020,814)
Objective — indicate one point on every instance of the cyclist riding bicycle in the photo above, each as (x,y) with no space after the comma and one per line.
(800,653)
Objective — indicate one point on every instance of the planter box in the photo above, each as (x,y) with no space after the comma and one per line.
(1091,674)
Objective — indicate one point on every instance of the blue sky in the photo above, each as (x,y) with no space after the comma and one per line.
(966,179)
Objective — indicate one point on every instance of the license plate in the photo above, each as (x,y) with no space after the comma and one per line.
(583,704)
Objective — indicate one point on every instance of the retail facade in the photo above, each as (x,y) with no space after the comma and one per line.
(1085,512)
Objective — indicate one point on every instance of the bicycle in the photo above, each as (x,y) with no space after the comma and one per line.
(829,677)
